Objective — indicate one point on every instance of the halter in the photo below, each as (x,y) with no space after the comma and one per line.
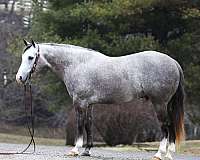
(36,61)
(34,67)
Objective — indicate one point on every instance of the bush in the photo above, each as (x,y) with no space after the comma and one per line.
(120,124)
(127,123)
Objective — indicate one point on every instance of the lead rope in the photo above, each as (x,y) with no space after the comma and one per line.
(30,128)
(29,119)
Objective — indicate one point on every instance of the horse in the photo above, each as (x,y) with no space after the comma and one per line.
(94,78)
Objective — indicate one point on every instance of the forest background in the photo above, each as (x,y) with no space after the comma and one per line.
(113,27)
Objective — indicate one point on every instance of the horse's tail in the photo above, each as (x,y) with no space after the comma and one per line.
(176,110)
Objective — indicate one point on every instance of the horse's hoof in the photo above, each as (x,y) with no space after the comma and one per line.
(86,153)
(168,156)
(156,158)
(73,153)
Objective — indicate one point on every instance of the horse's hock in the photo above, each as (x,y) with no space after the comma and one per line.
(120,124)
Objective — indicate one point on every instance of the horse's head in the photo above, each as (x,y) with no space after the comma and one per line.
(29,61)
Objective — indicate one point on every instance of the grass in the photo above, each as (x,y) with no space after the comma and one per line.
(188,147)
(9,138)
(191,147)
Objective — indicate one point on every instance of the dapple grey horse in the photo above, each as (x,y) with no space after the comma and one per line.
(94,78)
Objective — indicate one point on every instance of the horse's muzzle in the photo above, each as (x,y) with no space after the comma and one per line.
(20,80)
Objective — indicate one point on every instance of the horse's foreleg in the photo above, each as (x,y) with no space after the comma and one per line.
(80,117)
(89,129)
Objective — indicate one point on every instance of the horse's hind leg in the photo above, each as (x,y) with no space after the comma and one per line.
(162,147)
(161,112)
(89,129)
(171,147)
(172,137)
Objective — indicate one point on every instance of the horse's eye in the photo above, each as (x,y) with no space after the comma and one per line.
(30,58)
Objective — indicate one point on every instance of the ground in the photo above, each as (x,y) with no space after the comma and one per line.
(59,153)
(55,150)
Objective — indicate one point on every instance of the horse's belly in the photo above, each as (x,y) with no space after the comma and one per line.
(114,94)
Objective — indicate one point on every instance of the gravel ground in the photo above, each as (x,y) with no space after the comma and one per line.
(58,153)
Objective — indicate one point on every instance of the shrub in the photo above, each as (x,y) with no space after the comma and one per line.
(120,124)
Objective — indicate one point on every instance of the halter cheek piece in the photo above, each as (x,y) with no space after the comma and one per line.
(34,66)
(36,61)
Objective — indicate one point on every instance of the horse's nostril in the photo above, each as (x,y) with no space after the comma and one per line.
(20,77)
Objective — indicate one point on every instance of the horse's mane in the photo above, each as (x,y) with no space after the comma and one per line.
(68,46)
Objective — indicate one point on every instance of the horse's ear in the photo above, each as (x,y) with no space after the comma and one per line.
(33,43)
(25,42)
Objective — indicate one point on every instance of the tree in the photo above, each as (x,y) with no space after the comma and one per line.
(121,27)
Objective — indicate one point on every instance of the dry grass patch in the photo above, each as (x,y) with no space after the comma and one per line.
(9,138)
(188,147)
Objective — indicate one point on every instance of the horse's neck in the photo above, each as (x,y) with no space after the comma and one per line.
(62,59)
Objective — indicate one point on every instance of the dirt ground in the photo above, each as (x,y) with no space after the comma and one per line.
(98,153)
